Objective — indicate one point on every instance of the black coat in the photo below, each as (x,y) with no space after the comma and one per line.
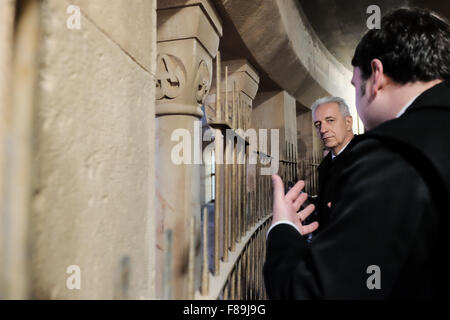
(328,171)
(389,209)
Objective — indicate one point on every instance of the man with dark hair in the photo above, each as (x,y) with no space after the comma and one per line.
(387,236)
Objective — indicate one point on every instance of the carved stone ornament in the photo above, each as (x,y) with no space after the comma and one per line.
(202,82)
(170,77)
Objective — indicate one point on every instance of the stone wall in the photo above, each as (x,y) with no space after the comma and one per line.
(92,174)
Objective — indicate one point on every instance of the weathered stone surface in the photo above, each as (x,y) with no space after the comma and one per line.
(276,110)
(93,205)
(187,41)
(206,6)
(128,23)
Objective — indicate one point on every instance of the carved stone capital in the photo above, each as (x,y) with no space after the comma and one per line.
(245,80)
(188,39)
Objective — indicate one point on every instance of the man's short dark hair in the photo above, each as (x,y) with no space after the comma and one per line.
(413,44)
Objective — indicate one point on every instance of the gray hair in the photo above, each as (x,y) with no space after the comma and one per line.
(343,107)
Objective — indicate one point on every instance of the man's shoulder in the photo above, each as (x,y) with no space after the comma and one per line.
(367,146)
(369,155)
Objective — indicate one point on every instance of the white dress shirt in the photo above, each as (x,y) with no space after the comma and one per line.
(340,151)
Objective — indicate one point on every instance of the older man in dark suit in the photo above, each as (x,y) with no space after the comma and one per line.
(333,122)
(388,231)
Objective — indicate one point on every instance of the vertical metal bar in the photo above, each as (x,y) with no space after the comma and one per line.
(253,210)
(266,197)
(234,175)
(233,285)
(226,208)
(286,177)
(288,164)
(270,196)
(205,279)
(245,274)
(191,267)
(262,196)
(244,205)
(257,191)
(296,164)
(264,256)
(218,76)
(252,268)
(225,291)
(257,264)
(239,211)
(293,162)
(260,202)
(250,217)
(226,94)
(239,184)
(289,161)
(218,199)
(266,192)
(239,284)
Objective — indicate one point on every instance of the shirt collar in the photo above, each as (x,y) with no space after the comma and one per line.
(332,154)
(402,111)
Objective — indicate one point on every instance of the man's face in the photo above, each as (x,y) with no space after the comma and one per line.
(334,129)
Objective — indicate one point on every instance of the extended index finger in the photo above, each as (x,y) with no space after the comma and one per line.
(278,187)
(295,190)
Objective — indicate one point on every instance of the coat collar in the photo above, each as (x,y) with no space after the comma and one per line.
(437,96)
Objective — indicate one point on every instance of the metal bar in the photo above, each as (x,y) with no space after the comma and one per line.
(233,285)
(226,209)
(252,268)
(253,209)
(257,265)
(257,191)
(246,274)
(288,159)
(267,195)
(225,291)
(205,278)
(226,94)
(239,285)
(293,163)
(296,165)
(239,198)
(218,199)
(244,205)
(239,183)
(218,76)
(234,176)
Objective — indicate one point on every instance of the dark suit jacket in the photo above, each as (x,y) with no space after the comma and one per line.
(329,170)
(390,209)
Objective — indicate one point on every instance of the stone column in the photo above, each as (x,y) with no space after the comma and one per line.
(243,78)
(277,110)
(247,81)
(19,56)
(92,217)
(188,39)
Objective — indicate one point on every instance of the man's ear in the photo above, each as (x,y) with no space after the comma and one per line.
(377,79)
(349,123)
